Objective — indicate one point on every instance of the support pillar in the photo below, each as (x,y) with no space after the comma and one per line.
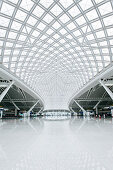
(96,110)
(15,111)
(96,107)
(5,91)
(1,113)
(84,112)
(28,112)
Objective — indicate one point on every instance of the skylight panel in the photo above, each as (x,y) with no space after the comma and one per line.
(14,58)
(41,26)
(43,37)
(77,33)
(48,18)
(32,21)
(7,52)
(26,4)
(85,4)
(15,52)
(110,31)
(2,33)
(96,25)
(96,51)
(15,25)
(74,11)
(49,31)
(20,15)
(69,37)
(8,44)
(105,8)
(108,20)
(63,31)
(56,25)
(6,59)
(4,21)
(22,37)
(7,9)
(100,34)
(90,37)
(12,35)
(80,20)
(46,3)
(66,3)
(12,64)
(62,41)
(56,10)
(35,33)
(20,64)
(103,43)
(105,50)
(98,58)
(71,26)
(64,18)
(38,11)
(56,36)
(92,15)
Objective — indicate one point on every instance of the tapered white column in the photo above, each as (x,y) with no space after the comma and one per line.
(107,89)
(5,91)
(96,107)
(84,112)
(1,113)
(28,112)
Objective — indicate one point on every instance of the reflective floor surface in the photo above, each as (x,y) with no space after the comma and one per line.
(45,144)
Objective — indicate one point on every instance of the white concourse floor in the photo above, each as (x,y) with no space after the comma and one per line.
(41,144)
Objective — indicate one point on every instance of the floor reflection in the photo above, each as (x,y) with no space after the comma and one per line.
(57,117)
(74,143)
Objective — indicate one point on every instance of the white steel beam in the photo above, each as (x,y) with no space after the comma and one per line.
(28,112)
(97,104)
(72,110)
(107,89)
(84,112)
(40,111)
(5,91)
(15,105)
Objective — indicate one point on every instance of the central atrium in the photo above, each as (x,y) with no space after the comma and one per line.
(56,79)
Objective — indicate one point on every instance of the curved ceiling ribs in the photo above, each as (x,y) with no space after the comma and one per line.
(56,46)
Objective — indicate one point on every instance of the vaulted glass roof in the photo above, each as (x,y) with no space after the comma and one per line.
(56,46)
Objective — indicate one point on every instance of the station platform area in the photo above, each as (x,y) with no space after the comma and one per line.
(75,143)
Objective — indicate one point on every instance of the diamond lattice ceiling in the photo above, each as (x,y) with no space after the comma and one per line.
(56,46)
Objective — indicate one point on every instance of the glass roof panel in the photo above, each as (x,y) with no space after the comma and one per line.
(7,9)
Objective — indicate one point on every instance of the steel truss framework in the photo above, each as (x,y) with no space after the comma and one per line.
(56,46)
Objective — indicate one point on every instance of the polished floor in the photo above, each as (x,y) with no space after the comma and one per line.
(48,144)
